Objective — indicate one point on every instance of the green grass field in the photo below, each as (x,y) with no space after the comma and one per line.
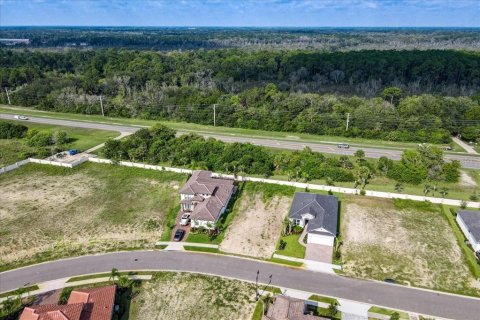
(88,209)
(13,150)
(198,128)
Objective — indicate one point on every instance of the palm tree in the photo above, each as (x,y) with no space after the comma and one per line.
(114,274)
(399,187)
(124,281)
(443,192)
(426,189)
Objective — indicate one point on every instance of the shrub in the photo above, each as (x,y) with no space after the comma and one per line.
(297,229)
(12,130)
(38,139)
(463,205)
(363,192)
(474,196)
(282,244)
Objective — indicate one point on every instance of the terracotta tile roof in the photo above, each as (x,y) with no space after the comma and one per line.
(287,308)
(88,304)
(218,193)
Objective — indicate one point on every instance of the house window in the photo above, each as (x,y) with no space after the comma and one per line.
(298,221)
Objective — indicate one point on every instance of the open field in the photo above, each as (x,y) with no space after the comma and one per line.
(192,296)
(12,150)
(295,136)
(406,241)
(92,208)
(260,209)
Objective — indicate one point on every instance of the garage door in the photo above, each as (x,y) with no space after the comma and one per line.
(320,239)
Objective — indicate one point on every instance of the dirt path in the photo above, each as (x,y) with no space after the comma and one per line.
(466,180)
(256,228)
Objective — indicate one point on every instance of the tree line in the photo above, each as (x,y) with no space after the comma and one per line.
(159,145)
(183,38)
(281,91)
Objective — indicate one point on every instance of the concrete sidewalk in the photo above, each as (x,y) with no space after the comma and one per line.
(312,265)
(63,283)
(179,246)
(464,145)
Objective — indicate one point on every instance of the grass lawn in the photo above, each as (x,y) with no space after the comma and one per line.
(92,208)
(322,299)
(201,249)
(107,274)
(293,248)
(192,296)
(13,150)
(198,128)
(19,291)
(411,242)
(285,262)
(389,312)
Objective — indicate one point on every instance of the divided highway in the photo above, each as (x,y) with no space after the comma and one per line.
(467,161)
(376,293)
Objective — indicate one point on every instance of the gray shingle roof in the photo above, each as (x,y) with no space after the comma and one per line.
(472,221)
(324,209)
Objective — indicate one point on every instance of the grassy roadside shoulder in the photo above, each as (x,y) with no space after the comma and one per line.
(199,128)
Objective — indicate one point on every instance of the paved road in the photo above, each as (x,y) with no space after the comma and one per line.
(395,296)
(467,161)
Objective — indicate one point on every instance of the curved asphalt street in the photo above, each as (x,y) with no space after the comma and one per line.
(467,161)
(378,293)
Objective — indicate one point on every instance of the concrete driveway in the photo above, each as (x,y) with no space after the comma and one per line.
(178,226)
(319,252)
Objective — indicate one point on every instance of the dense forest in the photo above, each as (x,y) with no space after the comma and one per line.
(392,95)
(185,38)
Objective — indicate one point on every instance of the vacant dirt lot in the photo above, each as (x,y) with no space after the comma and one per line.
(406,241)
(188,296)
(257,225)
(50,212)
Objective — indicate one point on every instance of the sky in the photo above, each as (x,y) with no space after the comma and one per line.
(244,13)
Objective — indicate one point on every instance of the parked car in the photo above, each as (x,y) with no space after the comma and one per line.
(20,117)
(185,220)
(389,280)
(478,255)
(178,235)
(343,145)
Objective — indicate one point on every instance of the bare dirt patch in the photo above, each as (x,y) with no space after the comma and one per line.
(47,213)
(382,241)
(466,180)
(256,228)
(189,296)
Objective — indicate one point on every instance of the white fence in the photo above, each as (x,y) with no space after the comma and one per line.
(371,193)
(141,165)
(14,166)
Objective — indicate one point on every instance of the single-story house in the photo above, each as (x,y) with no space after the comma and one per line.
(317,213)
(205,198)
(469,222)
(288,308)
(83,304)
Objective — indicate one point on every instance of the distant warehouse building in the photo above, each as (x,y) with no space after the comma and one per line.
(469,222)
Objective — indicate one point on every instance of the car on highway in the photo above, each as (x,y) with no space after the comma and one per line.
(185,220)
(343,145)
(20,117)
(179,235)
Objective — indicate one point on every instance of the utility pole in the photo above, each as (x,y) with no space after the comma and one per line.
(8,97)
(101,105)
(348,121)
(214,115)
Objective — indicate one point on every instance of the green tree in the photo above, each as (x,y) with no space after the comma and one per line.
(399,187)
(363,174)
(360,154)
(392,95)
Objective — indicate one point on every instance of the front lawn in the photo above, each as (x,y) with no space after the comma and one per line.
(292,248)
